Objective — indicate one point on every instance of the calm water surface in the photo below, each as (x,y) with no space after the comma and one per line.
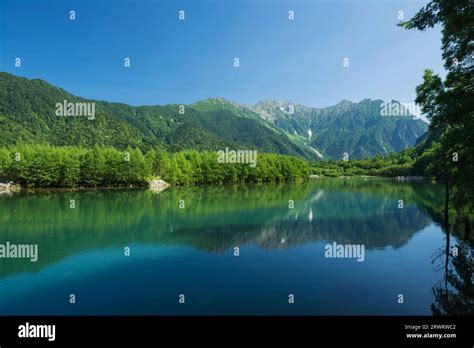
(190,251)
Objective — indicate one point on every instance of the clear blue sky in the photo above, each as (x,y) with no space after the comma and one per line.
(181,62)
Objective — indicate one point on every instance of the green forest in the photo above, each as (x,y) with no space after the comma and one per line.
(49,166)
(28,115)
(406,163)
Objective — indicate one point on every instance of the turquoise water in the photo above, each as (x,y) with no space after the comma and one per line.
(182,241)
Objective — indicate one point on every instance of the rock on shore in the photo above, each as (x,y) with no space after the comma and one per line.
(158,185)
(8,188)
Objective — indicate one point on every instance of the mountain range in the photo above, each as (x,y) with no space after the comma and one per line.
(28,114)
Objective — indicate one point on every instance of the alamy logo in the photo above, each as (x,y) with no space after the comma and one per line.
(345,251)
(37,331)
(19,251)
(75,109)
(394,108)
(239,156)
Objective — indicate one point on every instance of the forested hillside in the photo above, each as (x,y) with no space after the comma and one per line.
(48,166)
(357,129)
(27,115)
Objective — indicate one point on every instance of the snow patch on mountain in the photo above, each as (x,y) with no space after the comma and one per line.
(319,154)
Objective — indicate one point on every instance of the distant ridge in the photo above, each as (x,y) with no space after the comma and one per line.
(27,114)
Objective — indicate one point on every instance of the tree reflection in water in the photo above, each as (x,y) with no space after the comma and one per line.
(454,293)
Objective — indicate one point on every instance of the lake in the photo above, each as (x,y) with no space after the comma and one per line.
(244,250)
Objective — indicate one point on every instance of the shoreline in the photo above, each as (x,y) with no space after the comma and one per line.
(166,185)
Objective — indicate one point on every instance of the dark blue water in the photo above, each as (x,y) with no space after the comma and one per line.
(190,251)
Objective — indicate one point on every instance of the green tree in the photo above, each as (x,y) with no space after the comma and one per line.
(450,103)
